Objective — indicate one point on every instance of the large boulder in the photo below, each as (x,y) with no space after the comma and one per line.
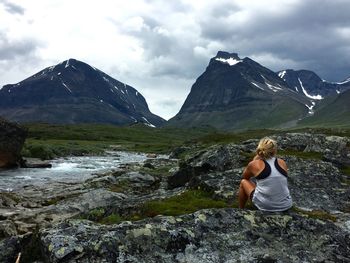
(213,235)
(12,137)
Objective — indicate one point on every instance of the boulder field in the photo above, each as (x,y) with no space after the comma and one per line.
(67,223)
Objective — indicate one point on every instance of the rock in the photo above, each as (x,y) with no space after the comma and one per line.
(213,235)
(151,155)
(35,163)
(9,249)
(12,137)
(216,158)
(7,229)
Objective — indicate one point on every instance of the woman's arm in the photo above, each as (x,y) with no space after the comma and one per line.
(247,173)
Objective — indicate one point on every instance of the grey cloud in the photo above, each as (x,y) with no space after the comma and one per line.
(9,50)
(306,34)
(12,8)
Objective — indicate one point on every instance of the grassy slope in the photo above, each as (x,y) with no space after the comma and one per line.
(336,113)
(47,141)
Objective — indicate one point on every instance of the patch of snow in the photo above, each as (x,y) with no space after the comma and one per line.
(281,74)
(94,68)
(101,100)
(257,86)
(59,73)
(148,123)
(9,90)
(116,87)
(67,64)
(51,68)
(122,92)
(273,88)
(311,112)
(296,88)
(133,119)
(137,93)
(51,77)
(230,61)
(343,82)
(107,80)
(337,91)
(66,87)
(317,97)
(112,90)
(74,67)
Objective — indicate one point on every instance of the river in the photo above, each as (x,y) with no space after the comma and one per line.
(66,170)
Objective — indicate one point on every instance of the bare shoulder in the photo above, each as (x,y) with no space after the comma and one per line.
(282,163)
(256,165)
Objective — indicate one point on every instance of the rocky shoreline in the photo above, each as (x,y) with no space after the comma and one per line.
(66,222)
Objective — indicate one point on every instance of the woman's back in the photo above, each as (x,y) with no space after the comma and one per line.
(271,192)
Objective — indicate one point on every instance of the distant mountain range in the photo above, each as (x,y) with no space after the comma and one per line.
(75,92)
(235,93)
(232,94)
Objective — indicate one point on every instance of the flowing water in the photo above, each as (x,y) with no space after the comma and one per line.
(66,170)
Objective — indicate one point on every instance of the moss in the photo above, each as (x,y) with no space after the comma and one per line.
(120,187)
(158,171)
(315,214)
(346,170)
(56,199)
(11,196)
(111,219)
(185,203)
(300,154)
(96,214)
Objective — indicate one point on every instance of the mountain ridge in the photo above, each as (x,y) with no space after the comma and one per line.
(75,92)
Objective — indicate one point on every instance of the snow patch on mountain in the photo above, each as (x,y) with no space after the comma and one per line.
(282,74)
(148,123)
(256,85)
(317,97)
(311,112)
(230,61)
(344,82)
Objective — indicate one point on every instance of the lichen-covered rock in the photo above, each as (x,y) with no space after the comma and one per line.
(12,138)
(216,158)
(213,235)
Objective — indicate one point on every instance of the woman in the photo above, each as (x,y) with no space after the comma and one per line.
(270,193)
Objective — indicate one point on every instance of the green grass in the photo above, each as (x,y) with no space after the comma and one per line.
(185,203)
(315,214)
(47,141)
(300,154)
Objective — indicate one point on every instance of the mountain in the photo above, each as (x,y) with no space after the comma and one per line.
(74,92)
(311,85)
(235,93)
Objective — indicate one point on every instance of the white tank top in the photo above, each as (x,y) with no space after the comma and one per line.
(271,192)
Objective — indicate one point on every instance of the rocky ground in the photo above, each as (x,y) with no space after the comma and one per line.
(103,219)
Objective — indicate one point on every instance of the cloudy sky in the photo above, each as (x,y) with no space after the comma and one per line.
(160,47)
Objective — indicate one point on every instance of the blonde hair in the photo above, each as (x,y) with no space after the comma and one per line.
(267,148)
